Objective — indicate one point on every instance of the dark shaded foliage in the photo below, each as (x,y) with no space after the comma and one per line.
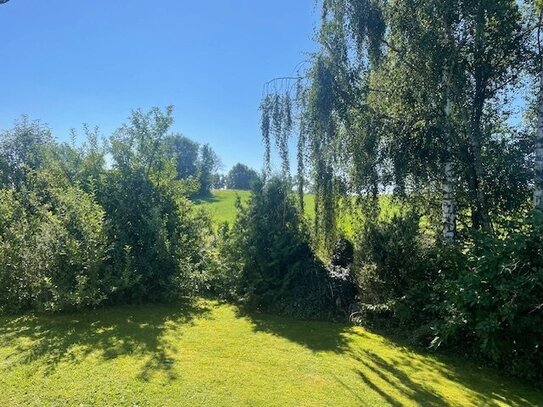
(268,248)
(481,296)
(241,177)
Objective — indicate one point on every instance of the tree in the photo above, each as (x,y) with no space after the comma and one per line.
(270,250)
(535,25)
(408,95)
(22,150)
(208,165)
(185,151)
(241,177)
(155,234)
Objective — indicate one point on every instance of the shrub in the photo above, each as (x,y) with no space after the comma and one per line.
(493,305)
(74,233)
(269,248)
(393,269)
(340,273)
(51,254)
(157,238)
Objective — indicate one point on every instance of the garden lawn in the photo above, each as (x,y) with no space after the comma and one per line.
(206,353)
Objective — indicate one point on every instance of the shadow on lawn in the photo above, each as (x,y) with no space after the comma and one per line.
(396,378)
(202,199)
(114,332)
(315,335)
(485,386)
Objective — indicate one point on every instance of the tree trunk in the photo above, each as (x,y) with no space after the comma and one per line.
(448,204)
(480,214)
(538,181)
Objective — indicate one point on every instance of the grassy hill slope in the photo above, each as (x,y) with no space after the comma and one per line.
(221,206)
(205,353)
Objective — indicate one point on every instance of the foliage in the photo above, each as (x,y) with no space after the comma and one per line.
(76,233)
(482,297)
(185,151)
(207,167)
(417,98)
(270,250)
(21,150)
(343,284)
(394,268)
(52,248)
(158,239)
(493,302)
(241,177)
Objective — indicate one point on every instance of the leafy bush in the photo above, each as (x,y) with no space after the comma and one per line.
(51,253)
(270,251)
(493,305)
(340,272)
(393,268)
(482,295)
(75,232)
(157,238)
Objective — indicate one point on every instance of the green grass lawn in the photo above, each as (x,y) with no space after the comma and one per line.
(222,204)
(210,354)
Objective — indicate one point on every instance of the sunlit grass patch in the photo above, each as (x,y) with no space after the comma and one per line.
(205,353)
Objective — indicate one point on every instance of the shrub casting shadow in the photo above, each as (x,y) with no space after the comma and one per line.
(113,332)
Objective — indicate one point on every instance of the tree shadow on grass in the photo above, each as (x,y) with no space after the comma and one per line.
(485,386)
(315,335)
(397,379)
(203,199)
(109,333)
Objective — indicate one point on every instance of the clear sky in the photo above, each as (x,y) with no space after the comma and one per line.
(68,62)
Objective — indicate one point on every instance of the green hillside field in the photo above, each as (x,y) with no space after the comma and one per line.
(222,208)
(221,205)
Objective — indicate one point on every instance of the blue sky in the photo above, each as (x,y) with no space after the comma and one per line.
(70,62)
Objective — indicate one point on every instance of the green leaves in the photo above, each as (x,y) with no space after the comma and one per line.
(75,232)
(268,248)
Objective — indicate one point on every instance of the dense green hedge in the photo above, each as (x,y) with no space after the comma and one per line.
(76,232)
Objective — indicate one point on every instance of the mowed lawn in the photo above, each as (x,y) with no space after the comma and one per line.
(206,353)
